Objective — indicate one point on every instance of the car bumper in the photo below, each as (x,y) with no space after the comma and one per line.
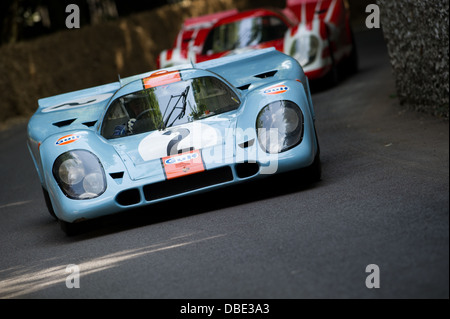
(243,165)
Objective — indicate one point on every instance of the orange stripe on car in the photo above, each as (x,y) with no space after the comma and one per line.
(161,78)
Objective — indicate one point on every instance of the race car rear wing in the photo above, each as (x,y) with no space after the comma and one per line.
(65,99)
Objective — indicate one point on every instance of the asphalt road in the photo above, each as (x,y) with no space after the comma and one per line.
(383,199)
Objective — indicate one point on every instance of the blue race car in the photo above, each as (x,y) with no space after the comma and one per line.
(174,132)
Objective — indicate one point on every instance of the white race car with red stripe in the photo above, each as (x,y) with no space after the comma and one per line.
(317,33)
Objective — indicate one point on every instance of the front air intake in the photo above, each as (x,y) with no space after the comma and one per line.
(244,170)
(188,183)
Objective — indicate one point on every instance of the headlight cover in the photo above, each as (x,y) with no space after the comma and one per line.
(79,174)
(305,49)
(279,126)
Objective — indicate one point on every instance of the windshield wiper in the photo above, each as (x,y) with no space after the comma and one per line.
(183,97)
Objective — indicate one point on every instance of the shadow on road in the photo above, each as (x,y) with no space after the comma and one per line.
(235,195)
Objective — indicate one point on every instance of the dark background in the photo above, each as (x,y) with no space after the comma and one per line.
(26,19)
(40,57)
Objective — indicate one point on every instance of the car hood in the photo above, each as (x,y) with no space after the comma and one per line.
(142,154)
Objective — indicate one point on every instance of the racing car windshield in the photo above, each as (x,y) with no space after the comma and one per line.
(244,33)
(160,107)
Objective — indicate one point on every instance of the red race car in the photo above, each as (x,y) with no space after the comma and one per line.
(317,33)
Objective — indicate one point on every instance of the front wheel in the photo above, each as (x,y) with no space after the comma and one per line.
(314,172)
(48,202)
(70,229)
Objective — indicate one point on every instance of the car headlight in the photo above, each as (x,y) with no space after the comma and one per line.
(279,126)
(79,174)
(305,49)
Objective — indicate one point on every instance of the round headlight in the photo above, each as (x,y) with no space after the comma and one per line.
(289,118)
(79,174)
(279,126)
(71,171)
(271,140)
(93,183)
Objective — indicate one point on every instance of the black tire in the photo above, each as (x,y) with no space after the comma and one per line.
(48,202)
(314,172)
(70,229)
(311,174)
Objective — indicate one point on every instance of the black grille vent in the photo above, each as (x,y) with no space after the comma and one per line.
(64,123)
(188,183)
(244,170)
(117,175)
(128,197)
(266,74)
(89,124)
(244,87)
(247,143)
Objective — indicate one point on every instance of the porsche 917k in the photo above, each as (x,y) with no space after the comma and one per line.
(170,133)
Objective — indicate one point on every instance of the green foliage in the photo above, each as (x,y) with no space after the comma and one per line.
(154,113)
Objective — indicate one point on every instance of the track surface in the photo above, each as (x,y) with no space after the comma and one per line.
(384,200)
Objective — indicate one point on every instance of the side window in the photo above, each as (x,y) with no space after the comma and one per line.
(142,108)
(116,118)
(207,47)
